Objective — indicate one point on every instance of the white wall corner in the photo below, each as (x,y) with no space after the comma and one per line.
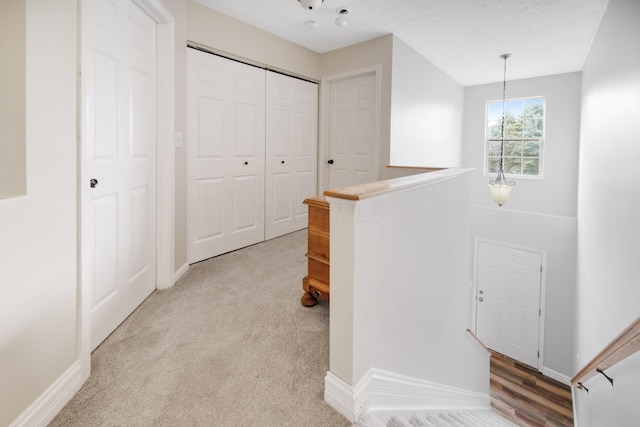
(391,391)
(347,400)
(44,409)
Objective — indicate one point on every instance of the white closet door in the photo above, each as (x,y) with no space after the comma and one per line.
(119,133)
(291,152)
(226,142)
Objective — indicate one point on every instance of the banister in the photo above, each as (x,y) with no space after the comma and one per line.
(623,346)
(477,340)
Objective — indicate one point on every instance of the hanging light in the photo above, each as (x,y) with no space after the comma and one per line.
(340,21)
(501,186)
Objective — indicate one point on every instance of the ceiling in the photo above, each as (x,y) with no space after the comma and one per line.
(464,38)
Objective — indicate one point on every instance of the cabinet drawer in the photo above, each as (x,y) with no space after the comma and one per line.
(319,219)
(319,271)
(318,245)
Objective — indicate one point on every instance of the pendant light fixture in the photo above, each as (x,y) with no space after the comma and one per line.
(501,186)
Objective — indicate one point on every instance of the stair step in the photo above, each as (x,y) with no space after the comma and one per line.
(442,418)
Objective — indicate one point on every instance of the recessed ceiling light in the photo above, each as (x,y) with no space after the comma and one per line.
(312,24)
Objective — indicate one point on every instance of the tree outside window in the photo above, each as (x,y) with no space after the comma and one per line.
(523,135)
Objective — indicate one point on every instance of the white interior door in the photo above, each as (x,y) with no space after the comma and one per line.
(352,121)
(291,152)
(119,119)
(508,301)
(226,155)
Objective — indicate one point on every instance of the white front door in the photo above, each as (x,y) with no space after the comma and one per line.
(226,157)
(291,152)
(352,121)
(508,301)
(119,137)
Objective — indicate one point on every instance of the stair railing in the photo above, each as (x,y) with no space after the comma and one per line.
(477,341)
(623,346)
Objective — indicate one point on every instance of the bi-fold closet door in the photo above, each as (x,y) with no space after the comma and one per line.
(252,150)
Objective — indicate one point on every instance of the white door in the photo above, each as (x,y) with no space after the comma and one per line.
(119,127)
(226,163)
(508,301)
(352,121)
(291,152)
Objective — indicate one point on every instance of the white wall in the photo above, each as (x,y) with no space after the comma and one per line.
(608,293)
(399,289)
(38,283)
(426,112)
(541,213)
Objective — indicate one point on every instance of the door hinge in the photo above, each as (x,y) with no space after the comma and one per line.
(538,354)
(539,312)
(540,269)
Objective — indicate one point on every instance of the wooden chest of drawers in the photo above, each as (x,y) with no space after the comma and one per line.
(316,283)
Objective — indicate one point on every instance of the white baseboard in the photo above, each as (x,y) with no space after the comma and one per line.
(391,391)
(46,407)
(556,376)
(181,272)
(348,401)
(380,391)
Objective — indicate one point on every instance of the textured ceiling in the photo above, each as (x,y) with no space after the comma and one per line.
(464,38)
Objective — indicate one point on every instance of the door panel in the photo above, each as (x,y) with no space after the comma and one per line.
(508,301)
(291,152)
(119,129)
(226,127)
(352,106)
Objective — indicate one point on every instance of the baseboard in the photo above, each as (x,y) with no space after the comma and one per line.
(348,401)
(46,407)
(556,376)
(391,391)
(380,391)
(181,272)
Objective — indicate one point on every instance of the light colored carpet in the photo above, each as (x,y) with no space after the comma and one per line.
(229,345)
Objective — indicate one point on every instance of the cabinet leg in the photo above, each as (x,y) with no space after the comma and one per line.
(308,300)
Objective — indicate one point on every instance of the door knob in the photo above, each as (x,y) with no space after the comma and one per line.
(330,161)
(481,292)
(93,182)
(480,299)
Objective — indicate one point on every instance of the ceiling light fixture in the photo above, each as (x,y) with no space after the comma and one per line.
(501,186)
(340,22)
(310,4)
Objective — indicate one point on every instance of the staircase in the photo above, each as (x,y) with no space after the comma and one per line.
(449,418)
(520,396)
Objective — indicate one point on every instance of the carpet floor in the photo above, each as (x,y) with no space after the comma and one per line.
(229,345)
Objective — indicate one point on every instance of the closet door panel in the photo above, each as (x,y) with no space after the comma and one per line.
(226,155)
(291,152)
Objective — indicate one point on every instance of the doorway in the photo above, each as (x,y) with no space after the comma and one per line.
(509,300)
(350,129)
(149,214)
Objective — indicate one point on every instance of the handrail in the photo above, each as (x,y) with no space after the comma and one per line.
(477,340)
(622,346)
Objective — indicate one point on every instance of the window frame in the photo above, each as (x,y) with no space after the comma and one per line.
(542,138)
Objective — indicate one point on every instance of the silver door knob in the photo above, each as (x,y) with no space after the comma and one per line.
(480,299)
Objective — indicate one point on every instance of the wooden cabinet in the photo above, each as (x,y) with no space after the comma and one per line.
(316,283)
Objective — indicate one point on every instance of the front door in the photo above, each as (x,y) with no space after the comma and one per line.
(119,137)
(352,121)
(508,301)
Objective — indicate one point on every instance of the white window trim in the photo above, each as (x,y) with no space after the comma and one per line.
(538,177)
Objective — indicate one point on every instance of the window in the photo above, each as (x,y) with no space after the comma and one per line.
(523,135)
